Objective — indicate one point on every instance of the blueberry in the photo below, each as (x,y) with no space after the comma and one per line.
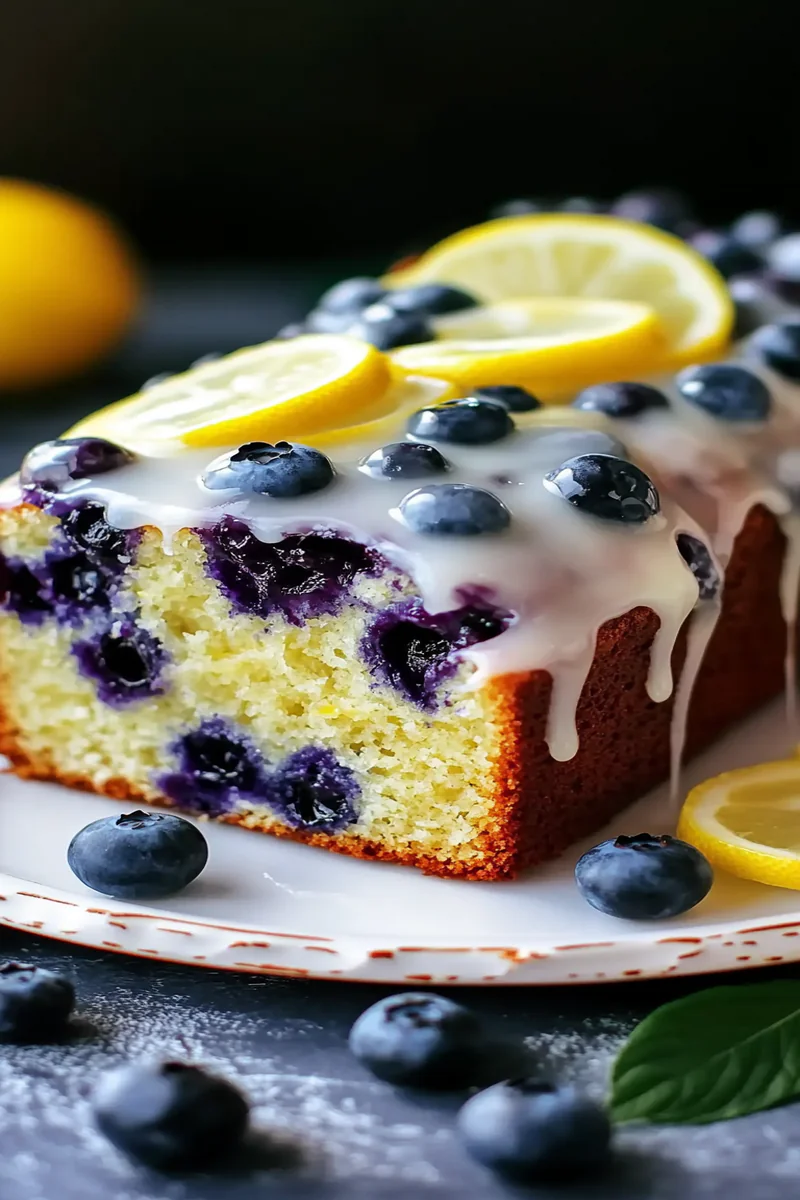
(85,527)
(125,661)
(319,320)
(561,444)
(170,1115)
(659,206)
(757,230)
(138,856)
(778,346)
(404,460)
(620,399)
(726,391)
(351,295)
(280,470)
(52,465)
(607,487)
(528,1130)
(697,557)
(386,329)
(756,303)
(584,205)
(725,253)
(311,789)
(643,878)
(34,1003)
(418,1039)
(24,593)
(430,299)
(217,767)
(455,509)
(515,399)
(522,207)
(783,259)
(469,422)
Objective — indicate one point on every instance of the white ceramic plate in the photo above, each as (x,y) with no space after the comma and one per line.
(271,906)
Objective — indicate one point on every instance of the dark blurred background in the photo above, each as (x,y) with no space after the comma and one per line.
(289,129)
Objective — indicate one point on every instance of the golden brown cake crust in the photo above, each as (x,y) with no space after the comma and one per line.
(542,806)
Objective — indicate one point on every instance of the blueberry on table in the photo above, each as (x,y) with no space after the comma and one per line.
(726,391)
(52,465)
(724,252)
(418,1039)
(605,486)
(778,346)
(170,1115)
(515,399)
(529,1130)
(280,470)
(698,559)
(453,509)
(623,399)
(35,1004)
(138,856)
(471,421)
(643,878)
(430,299)
(404,460)
(386,329)
(351,295)
(663,207)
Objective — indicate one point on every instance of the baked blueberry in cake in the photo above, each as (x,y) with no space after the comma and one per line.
(304,590)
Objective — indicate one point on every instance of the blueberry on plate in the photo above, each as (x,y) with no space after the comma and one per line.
(471,421)
(643,878)
(170,1115)
(35,1004)
(758,229)
(623,399)
(605,486)
(561,444)
(778,346)
(724,252)
(52,465)
(453,509)
(351,295)
(418,1039)
(386,329)
(515,399)
(280,470)
(726,391)
(698,559)
(430,299)
(663,207)
(404,460)
(138,856)
(529,1130)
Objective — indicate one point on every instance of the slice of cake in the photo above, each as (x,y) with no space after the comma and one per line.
(442,632)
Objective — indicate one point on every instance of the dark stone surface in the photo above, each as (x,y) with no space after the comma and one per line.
(324,1129)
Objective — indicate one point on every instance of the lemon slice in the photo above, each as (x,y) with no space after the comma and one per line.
(552,346)
(596,257)
(748,822)
(289,389)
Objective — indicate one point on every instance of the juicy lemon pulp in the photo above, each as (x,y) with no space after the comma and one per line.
(748,822)
(593,257)
(551,345)
(290,389)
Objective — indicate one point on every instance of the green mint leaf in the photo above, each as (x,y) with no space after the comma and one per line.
(722,1053)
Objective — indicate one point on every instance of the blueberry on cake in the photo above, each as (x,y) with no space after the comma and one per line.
(304,591)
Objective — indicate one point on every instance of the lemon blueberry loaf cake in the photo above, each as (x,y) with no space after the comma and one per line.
(304,591)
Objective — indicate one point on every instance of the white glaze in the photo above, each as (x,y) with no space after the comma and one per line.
(562,573)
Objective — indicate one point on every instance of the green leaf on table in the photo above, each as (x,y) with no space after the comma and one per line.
(711,1056)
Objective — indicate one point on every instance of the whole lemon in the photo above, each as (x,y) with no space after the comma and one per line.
(69,284)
